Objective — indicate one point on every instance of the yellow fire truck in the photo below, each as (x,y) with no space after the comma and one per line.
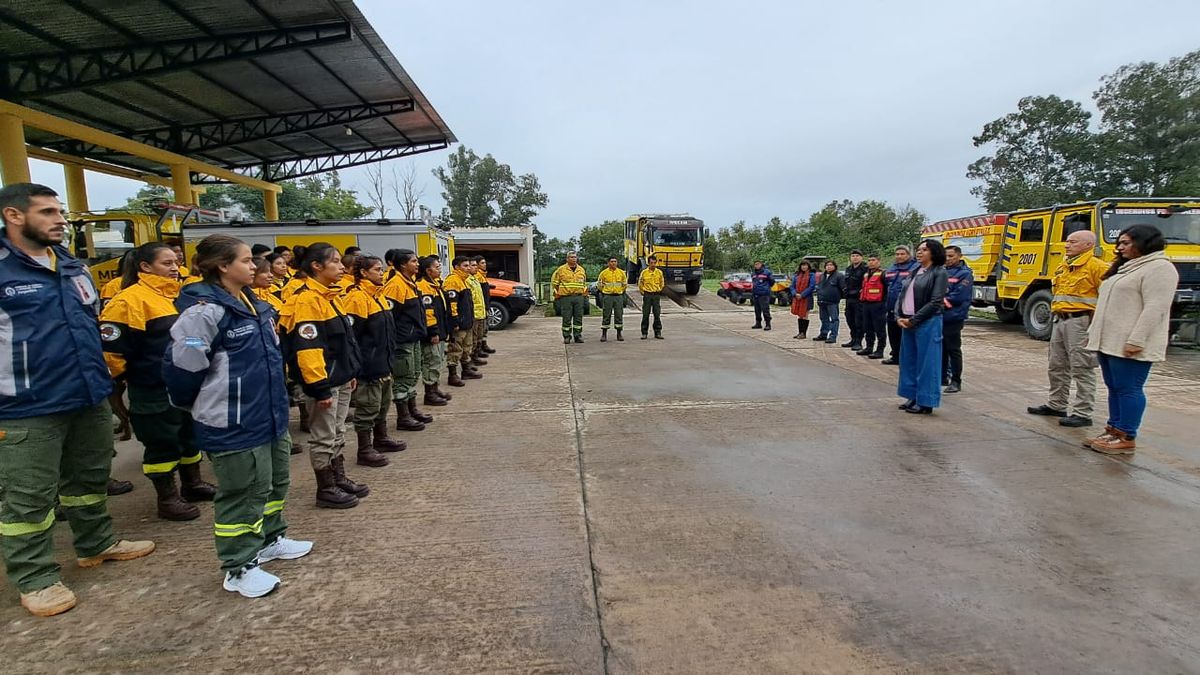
(676,240)
(100,238)
(1014,255)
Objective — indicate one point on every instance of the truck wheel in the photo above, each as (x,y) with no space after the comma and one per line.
(497,316)
(1036,315)
(1009,315)
(693,286)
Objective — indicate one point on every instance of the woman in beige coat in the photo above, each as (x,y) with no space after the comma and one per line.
(1130,331)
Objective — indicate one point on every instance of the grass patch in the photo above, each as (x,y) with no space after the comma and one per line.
(982,314)
(712,285)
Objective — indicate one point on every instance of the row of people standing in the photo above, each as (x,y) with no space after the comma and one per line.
(569,286)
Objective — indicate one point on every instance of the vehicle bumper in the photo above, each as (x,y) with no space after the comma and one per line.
(679,275)
(518,306)
(1187,296)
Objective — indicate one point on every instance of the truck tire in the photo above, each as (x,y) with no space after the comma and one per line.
(497,316)
(1035,312)
(693,286)
(1012,316)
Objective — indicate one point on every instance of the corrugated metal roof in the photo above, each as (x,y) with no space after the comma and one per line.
(264,88)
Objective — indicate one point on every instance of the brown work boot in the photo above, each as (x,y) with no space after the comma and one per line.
(367,454)
(1109,434)
(431,396)
(452,379)
(297,448)
(469,373)
(353,487)
(485,348)
(478,360)
(51,600)
(329,494)
(117,487)
(437,389)
(122,550)
(1120,444)
(383,443)
(171,505)
(417,414)
(194,489)
(404,418)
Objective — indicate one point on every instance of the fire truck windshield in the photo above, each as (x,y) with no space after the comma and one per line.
(684,237)
(1180,227)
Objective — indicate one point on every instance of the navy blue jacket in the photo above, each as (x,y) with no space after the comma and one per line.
(763,281)
(960,280)
(830,288)
(895,278)
(224,366)
(51,360)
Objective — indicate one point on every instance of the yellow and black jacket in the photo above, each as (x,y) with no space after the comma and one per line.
(433,299)
(406,309)
(484,286)
(459,301)
(294,284)
(373,328)
(135,328)
(110,289)
(271,297)
(318,339)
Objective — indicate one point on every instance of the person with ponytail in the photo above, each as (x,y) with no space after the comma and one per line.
(437,329)
(224,365)
(264,285)
(135,328)
(324,359)
(410,331)
(376,335)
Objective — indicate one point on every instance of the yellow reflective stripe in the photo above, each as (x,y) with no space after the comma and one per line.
(190,460)
(1079,299)
(237,529)
(273,507)
(22,529)
(82,500)
(161,467)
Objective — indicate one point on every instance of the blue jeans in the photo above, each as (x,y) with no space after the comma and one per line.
(829,320)
(921,363)
(1125,379)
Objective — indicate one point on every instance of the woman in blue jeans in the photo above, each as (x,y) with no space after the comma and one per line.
(1130,331)
(919,315)
(831,287)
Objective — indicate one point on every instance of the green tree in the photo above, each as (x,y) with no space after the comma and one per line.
(1150,126)
(549,253)
(321,197)
(1043,154)
(481,192)
(146,195)
(598,243)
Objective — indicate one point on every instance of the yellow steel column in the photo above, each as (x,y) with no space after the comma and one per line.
(181,183)
(76,187)
(270,205)
(14,162)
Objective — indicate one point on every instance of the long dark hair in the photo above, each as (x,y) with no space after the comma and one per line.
(937,252)
(424,265)
(402,256)
(212,252)
(803,263)
(1145,238)
(316,254)
(146,253)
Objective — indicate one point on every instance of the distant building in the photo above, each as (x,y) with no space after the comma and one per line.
(508,250)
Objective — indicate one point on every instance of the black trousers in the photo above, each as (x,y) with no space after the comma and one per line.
(854,320)
(762,309)
(952,360)
(873,321)
(893,331)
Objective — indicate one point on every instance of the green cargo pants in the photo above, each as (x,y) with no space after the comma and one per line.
(572,308)
(165,431)
(248,508)
(370,401)
(433,360)
(652,302)
(406,370)
(66,455)
(614,310)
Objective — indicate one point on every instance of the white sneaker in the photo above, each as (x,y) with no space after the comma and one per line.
(284,549)
(253,582)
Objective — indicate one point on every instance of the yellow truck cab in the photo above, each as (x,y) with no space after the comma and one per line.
(1014,255)
(100,238)
(676,240)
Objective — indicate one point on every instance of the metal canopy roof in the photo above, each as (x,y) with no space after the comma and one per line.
(267,88)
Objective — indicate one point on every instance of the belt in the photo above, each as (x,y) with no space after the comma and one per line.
(1072,315)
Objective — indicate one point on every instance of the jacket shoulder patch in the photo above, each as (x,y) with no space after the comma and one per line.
(109,332)
(308,331)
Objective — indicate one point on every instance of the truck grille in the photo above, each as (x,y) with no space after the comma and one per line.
(1189,274)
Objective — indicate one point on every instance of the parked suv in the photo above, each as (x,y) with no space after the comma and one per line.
(509,300)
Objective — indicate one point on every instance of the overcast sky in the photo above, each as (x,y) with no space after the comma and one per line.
(744,110)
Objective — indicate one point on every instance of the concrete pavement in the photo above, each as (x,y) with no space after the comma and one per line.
(725,500)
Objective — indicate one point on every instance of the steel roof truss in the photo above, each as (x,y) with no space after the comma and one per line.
(42,75)
(279,171)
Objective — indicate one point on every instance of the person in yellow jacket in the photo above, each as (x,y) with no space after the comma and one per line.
(437,328)
(481,328)
(569,286)
(478,312)
(375,331)
(135,328)
(651,284)
(1076,286)
(264,285)
(613,281)
(461,314)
